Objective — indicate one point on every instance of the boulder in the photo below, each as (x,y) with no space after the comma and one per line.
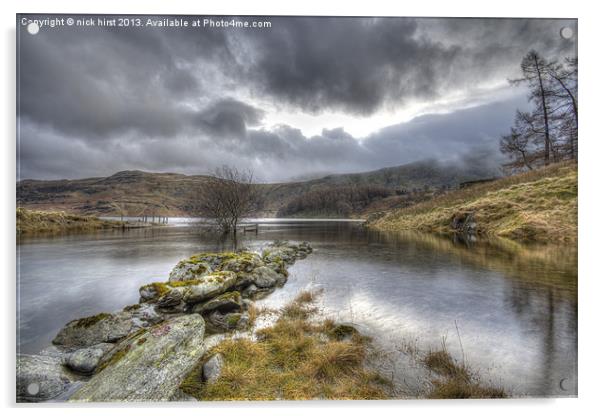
(149,365)
(41,378)
(282,251)
(188,291)
(85,332)
(212,368)
(242,262)
(224,303)
(249,291)
(190,269)
(144,314)
(85,360)
(265,277)
(209,287)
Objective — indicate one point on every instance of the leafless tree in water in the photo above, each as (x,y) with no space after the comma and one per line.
(227,196)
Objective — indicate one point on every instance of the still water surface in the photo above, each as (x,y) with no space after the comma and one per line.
(509,310)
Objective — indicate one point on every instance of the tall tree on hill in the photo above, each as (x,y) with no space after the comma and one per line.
(535,75)
(564,99)
(549,131)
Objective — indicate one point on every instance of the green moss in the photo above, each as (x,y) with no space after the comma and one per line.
(133,307)
(233,319)
(185,283)
(234,295)
(115,358)
(91,320)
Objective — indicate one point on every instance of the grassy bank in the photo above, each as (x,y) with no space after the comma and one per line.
(540,205)
(31,222)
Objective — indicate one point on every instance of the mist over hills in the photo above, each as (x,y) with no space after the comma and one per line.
(136,193)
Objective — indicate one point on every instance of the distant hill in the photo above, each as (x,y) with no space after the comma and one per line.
(136,193)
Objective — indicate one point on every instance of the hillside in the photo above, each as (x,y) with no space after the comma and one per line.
(29,222)
(135,193)
(539,205)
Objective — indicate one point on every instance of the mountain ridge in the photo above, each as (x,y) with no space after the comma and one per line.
(137,192)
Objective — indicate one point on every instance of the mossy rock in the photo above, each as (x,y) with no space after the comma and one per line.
(149,365)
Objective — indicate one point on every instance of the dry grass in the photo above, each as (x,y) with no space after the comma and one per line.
(295,359)
(456,381)
(30,222)
(540,205)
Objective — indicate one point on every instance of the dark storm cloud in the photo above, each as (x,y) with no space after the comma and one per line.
(96,100)
(360,65)
(229,117)
(462,137)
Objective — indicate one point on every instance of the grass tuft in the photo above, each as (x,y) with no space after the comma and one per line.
(295,359)
(456,380)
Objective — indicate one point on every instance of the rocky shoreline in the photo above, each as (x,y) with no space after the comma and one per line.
(143,352)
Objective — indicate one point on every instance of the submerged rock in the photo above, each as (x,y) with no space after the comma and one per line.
(41,378)
(149,365)
(212,368)
(104,327)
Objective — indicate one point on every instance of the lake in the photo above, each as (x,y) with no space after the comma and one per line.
(508,310)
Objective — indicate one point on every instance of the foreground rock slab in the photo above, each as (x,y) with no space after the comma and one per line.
(148,365)
(41,378)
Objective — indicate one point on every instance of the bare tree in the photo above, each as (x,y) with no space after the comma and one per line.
(516,146)
(548,132)
(564,98)
(227,196)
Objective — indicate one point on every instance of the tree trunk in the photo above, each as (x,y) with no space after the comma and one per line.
(545,114)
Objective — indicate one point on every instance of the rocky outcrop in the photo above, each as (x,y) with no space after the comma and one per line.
(143,351)
(41,378)
(150,364)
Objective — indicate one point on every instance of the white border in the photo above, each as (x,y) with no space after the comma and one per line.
(589,167)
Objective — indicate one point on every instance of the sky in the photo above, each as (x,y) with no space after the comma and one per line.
(305,97)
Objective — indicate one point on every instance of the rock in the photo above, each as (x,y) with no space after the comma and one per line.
(170,299)
(250,291)
(282,251)
(229,321)
(464,222)
(96,329)
(144,314)
(243,262)
(189,291)
(227,302)
(190,269)
(149,365)
(40,378)
(209,286)
(265,277)
(344,332)
(212,368)
(85,360)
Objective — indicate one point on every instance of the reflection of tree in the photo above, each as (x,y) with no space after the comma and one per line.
(543,311)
